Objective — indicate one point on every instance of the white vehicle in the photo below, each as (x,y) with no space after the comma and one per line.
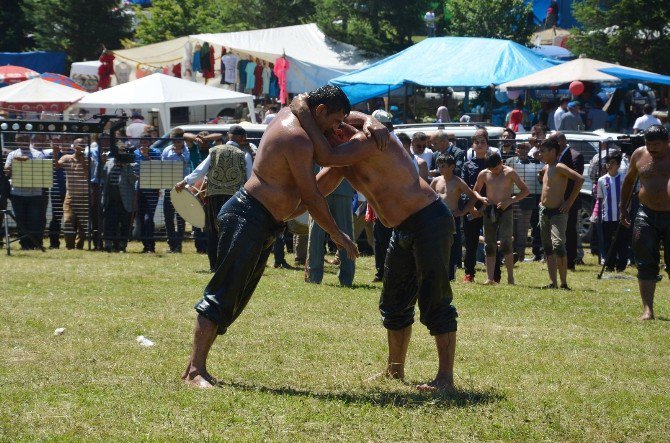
(463,131)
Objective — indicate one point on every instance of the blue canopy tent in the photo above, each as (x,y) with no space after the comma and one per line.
(637,75)
(442,62)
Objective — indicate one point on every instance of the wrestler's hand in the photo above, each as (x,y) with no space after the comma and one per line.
(485,201)
(476,213)
(180,186)
(624,218)
(504,204)
(299,106)
(343,241)
(564,208)
(372,128)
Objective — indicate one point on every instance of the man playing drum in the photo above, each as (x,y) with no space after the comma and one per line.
(282,177)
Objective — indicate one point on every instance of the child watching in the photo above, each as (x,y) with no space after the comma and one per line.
(609,193)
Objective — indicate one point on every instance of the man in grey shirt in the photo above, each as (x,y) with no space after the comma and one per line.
(571,120)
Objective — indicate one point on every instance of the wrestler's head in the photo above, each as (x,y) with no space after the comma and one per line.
(329,106)
(549,150)
(656,139)
(494,163)
(342,134)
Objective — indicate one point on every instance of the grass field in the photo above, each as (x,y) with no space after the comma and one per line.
(531,365)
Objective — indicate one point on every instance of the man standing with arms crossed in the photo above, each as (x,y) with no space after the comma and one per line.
(283,176)
(417,262)
(651,164)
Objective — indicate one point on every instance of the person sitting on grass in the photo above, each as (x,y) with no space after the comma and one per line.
(554,210)
(499,180)
(450,187)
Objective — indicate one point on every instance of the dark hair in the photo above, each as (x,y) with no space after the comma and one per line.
(493,160)
(551,143)
(511,131)
(539,126)
(655,133)
(523,145)
(332,97)
(564,100)
(445,159)
(419,136)
(648,109)
(404,138)
(614,156)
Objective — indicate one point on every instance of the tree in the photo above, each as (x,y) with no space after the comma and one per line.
(503,19)
(78,27)
(13,37)
(634,33)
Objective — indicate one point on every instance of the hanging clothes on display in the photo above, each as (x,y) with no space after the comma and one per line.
(122,73)
(242,71)
(267,74)
(196,58)
(274,83)
(281,68)
(251,80)
(258,79)
(106,69)
(229,68)
(207,61)
(187,59)
(176,70)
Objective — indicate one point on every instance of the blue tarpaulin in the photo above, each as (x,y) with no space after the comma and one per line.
(640,76)
(441,62)
(40,61)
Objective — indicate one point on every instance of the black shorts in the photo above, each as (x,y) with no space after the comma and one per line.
(247,234)
(649,230)
(417,268)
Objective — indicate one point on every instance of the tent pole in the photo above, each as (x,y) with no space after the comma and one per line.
(492,88)
(388,98)
(406,104)
(466,100)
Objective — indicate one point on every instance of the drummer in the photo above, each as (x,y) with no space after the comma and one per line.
(227,168)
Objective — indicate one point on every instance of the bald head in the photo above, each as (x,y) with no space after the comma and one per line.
(440,140)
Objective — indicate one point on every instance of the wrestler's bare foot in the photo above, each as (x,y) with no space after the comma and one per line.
(488,282)
(510,280)
(648,314)
(391,372)
(444,384)
(198,378)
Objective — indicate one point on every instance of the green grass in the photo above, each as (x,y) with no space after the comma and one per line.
(531,365)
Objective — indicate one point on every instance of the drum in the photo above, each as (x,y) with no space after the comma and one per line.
(299,225)
(189,203)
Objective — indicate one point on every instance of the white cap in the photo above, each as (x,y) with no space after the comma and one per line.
(382,116)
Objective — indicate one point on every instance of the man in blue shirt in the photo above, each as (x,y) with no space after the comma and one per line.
(175,152)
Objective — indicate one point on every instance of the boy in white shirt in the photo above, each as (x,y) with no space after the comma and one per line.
(609,193)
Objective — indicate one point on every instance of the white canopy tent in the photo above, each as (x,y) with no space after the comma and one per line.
(164,92)
(314,58)
(582,69)
(39,90)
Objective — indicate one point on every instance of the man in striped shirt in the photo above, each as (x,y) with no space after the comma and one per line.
(609,193)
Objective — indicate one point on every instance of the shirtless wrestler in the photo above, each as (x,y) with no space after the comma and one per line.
(248,222)
(499,180)
(651,164)
(417,261)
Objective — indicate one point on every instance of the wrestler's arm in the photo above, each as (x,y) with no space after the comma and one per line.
(370,127)
(627,188)
(299,159)
(472,198)
(479,184)
(355,150)
(523,190)
(579,181)
(327,180)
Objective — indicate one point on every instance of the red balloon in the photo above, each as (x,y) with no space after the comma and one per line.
(576,87)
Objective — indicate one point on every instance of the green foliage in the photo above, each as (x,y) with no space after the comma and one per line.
(13,37)
(502,19)
(631,32)
(78,27)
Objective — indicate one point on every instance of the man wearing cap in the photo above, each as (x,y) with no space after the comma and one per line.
(571,120)
(227,168)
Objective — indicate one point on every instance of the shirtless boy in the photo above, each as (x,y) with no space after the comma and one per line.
(499,180)
(249,221)
(651,164)
(554,210)
(450,187)
(417,261)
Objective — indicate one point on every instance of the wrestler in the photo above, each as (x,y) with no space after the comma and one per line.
(417,262)
(499,180)
(651,164)
(282,178)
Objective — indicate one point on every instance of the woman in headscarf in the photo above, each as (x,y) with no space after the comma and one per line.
(442,115)
(515,121)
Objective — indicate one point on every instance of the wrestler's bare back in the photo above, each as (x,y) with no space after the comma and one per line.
(390,183)
(272,182)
